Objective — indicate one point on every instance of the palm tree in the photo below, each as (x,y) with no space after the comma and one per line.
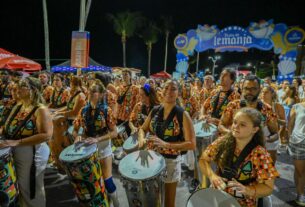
(150,37)
(167,26)
(46,34)
(125,24)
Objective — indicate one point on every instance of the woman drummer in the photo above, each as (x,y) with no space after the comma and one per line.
(255,174)
(60,95)
(76,101)
(27,129)
(141,110)
(176,137)
(99,124)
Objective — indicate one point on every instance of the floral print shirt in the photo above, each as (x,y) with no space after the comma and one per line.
(258,165)
(130,100)
(100,123)
(222,104)
(136,116)
(267,112)
(60,98)
(47,93)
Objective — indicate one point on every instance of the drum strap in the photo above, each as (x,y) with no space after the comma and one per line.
(24,121)
(216,109)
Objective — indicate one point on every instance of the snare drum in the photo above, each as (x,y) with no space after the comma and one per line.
(60,139)
(85,173)
(8,180)
(141,171)
(131,143)
(212,198)
(204,135)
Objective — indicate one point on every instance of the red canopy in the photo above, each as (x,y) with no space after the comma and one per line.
(9,60)
(161,74)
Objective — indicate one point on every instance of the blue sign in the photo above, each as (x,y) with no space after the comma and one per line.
(262,35)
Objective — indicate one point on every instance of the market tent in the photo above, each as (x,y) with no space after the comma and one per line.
(93,66)
(11,61)
(161,74)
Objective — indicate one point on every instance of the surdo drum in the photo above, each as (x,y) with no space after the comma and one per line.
(141,171)
(85,173)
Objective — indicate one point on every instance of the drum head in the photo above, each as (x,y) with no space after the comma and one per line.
(141,165)
(4,151)
(131,142)
(212,198)
(77,152)
(200,131)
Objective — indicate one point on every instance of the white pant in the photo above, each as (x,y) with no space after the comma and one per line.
(23,158)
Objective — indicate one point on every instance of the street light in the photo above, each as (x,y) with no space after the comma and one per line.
(249,64)
(214,59)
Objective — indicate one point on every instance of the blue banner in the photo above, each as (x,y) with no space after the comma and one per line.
(263,35)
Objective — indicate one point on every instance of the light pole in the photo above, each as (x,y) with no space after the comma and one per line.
(214,60)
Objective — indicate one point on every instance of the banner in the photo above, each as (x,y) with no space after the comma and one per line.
(80,49)
(263,35)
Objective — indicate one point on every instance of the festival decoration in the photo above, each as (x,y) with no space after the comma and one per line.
(262,35)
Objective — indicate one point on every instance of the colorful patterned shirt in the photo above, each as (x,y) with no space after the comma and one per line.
(47,93)
(137,117)
(258,165)
(170,134)
(266,110)
(100,122)
(59,98)
(222,103)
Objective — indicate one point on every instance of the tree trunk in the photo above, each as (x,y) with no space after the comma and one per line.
(149,48)
(46,35)
(87,12)
(166,50)
(124,49)
(197,62)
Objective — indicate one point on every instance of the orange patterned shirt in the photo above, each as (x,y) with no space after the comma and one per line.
(268,114)
(209,104)
(99,123)
(129,102)
(258,165)
(191,105)
(47,93)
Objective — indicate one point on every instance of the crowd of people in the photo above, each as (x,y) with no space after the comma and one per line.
(256,120)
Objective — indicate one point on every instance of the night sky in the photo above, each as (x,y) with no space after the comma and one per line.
(22,27)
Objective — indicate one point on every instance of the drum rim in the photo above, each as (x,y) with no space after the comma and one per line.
(149,178)
(6,151)
(78,160)
(206,189)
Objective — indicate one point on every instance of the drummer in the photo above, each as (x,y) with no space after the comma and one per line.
(127,99)
(250,93)
(47,90)
(189,101)
(175,138)
(26,130)
(254,177)
(98,122)
(60,95)
(76,101)
(218,100)
(6,108)
(148,100)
